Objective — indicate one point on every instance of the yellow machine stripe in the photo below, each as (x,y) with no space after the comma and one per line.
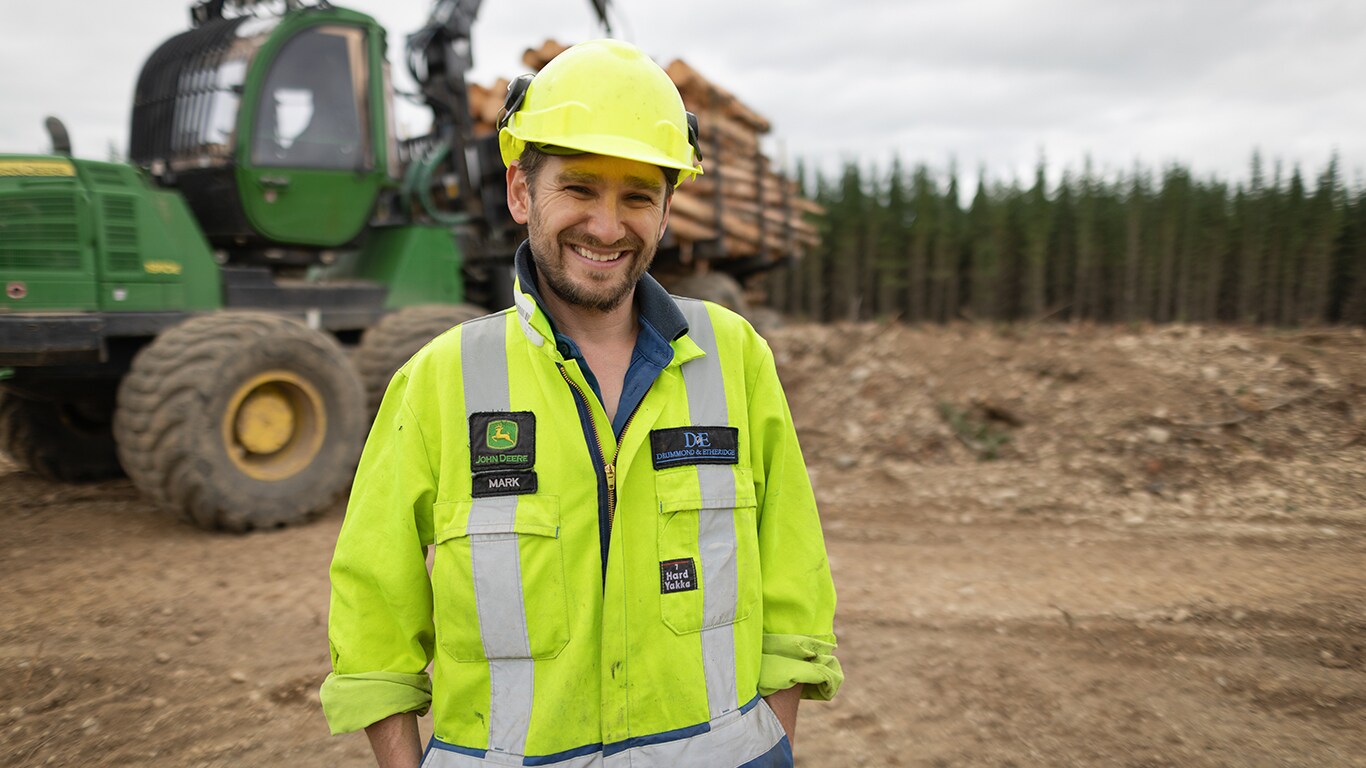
(52,167)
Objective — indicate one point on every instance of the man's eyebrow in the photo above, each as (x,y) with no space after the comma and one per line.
(640,182)
(572,176)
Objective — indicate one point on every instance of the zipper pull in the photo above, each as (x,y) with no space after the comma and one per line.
(610,471)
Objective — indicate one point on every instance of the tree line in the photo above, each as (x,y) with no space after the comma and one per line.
(1280,248)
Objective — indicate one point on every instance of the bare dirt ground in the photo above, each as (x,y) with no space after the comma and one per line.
(1053,546)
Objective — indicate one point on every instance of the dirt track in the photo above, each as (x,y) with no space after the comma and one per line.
(1165,564)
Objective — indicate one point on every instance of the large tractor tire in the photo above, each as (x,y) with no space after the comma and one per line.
(241,421)
(398,336)
(66,441)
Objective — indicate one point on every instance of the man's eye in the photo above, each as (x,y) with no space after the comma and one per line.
(576,189)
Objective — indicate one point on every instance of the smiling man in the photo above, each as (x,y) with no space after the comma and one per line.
(627,564)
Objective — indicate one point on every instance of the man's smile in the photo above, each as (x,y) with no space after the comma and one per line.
(600,257)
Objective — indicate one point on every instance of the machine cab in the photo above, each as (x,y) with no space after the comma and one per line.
(274,129)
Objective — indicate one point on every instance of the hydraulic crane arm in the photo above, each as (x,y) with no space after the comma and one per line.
(439,56)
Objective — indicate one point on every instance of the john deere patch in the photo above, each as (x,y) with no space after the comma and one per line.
(502,440)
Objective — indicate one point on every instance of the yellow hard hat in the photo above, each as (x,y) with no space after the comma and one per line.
(603,97)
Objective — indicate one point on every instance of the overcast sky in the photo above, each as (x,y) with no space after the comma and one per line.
(985,83)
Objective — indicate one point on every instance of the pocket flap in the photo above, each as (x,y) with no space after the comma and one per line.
(536,515)
(681,488)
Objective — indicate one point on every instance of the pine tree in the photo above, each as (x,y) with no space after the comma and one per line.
(893,246)
(1324,219)
(1294,237)
(1038,227)
(923,228)
(1135,208)
(1351,262)
(985,277)
(947,255)
(1086,280)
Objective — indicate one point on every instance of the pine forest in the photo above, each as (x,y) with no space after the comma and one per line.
(1282,248)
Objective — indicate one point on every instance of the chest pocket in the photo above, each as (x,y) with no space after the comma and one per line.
(498,579)
(708,537)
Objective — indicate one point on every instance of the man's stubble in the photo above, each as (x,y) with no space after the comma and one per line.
(605,294)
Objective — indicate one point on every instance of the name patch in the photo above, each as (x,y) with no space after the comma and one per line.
(502,440)
(694,445)
(512,483)
(677,576)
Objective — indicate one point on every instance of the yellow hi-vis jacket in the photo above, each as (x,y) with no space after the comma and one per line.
(716,589)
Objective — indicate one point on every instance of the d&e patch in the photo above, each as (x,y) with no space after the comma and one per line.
(694,445)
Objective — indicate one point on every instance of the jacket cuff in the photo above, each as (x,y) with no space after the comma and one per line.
(352,702)
(791,659)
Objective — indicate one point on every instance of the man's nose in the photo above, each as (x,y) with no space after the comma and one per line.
(606,223)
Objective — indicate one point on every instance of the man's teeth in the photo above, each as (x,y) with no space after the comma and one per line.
(595,256)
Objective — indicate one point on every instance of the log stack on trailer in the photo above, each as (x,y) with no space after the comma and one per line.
(742,216)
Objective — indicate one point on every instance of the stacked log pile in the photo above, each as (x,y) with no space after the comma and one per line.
(741,206)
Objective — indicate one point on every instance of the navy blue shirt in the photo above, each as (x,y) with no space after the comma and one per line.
(660,323)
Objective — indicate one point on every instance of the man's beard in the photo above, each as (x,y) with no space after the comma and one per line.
(601,295)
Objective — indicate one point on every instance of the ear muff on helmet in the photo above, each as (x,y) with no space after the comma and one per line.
(515,96)
(603,97)
(694,135)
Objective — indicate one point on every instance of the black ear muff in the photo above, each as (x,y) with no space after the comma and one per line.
(513,102)
(694,135)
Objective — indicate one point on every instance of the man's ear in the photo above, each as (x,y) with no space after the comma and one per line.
(519,194)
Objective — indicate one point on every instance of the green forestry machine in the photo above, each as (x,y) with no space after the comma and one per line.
(219,318)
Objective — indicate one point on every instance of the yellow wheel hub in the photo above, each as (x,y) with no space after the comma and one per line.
(274,425)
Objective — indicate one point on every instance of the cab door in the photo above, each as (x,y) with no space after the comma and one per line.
(307,170)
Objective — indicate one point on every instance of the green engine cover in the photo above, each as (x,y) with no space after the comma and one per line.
(80,235)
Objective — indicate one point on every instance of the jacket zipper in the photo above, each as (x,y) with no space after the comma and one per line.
(609,469)
(612,468)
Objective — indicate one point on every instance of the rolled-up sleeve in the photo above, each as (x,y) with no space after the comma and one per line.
(380,626)
(798,591)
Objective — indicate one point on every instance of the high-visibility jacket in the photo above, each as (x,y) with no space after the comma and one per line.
(716,590)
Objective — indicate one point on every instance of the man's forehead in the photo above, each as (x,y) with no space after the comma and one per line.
(599,168)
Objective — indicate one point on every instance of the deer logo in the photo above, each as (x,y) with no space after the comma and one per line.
(501,435)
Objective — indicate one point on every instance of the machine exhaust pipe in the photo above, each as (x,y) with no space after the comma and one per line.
(61,142)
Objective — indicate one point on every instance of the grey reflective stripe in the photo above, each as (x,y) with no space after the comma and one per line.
(496,564)
(730,741)
(526,307)
(716,521)
(441,758)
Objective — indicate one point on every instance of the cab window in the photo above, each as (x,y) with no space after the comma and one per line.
(312,112)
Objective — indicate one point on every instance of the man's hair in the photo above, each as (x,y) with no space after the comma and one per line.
(533,160)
